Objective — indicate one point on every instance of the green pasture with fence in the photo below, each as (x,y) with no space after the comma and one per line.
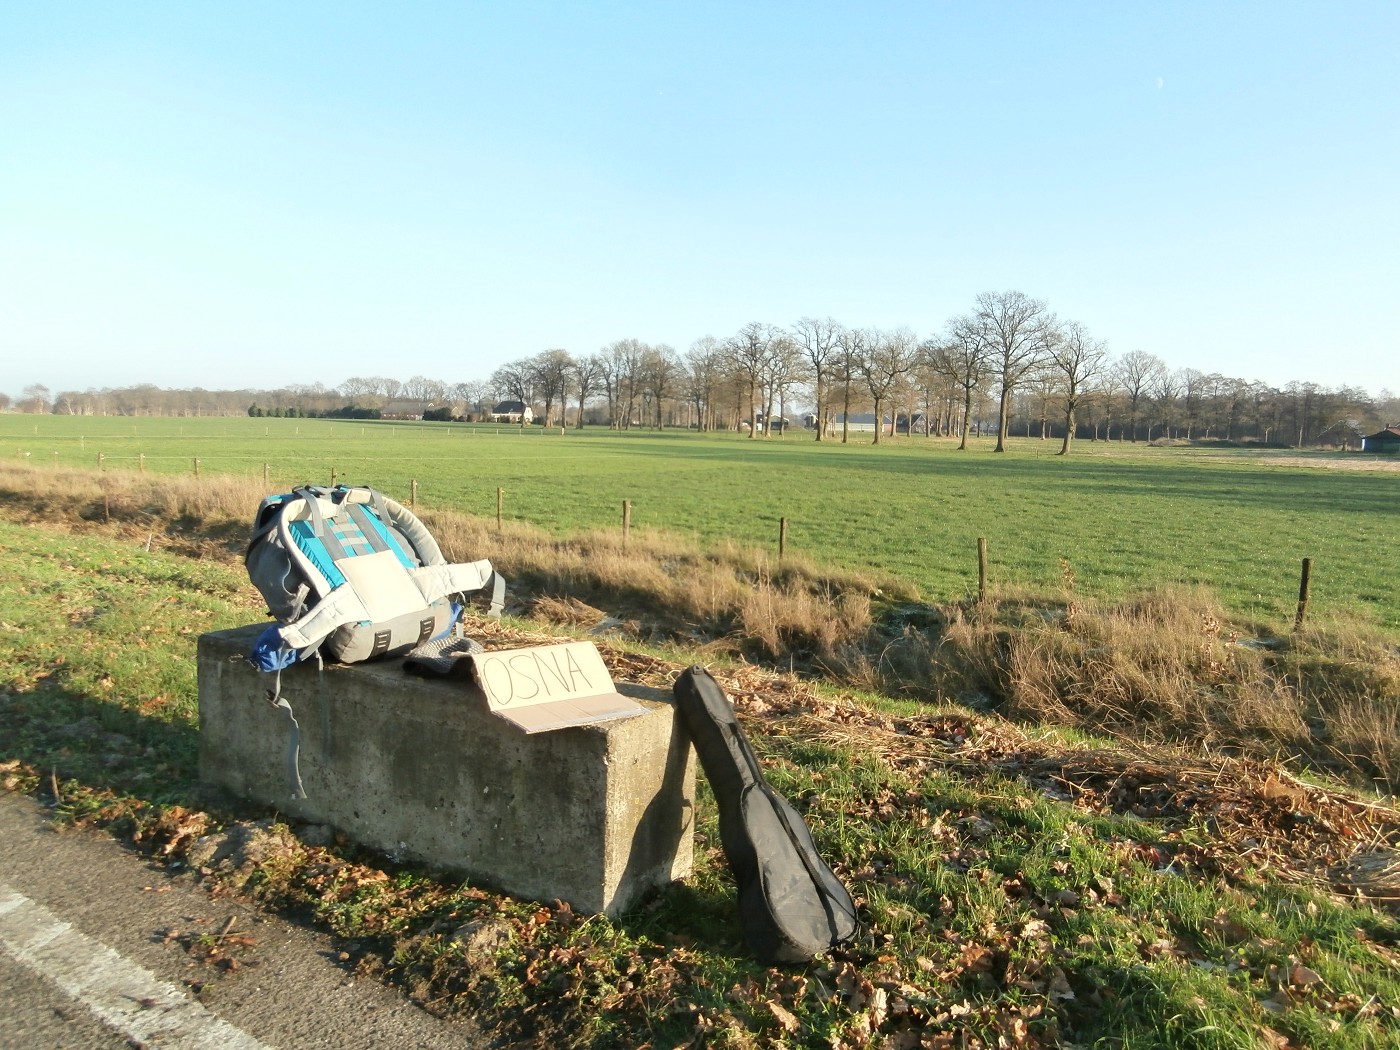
(1109,520)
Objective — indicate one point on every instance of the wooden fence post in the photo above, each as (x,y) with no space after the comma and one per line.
(332,477)
(1304,586)
(626,519)
(100,463)
(981,568)
(413,493)
(264,475)
(196,466)
(782,538)
(141,462)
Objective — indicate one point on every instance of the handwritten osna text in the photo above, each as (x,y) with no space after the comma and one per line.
(539,674)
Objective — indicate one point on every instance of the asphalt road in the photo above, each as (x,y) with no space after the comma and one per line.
(88,960)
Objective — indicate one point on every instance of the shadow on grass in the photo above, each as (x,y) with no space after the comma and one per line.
(102,745)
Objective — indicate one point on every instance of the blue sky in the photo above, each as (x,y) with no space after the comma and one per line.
(266,194)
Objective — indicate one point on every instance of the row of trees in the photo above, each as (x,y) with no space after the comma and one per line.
(1009,360)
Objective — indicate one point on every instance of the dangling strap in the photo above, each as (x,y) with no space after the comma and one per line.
(275,697)
(498,595)
(325,708)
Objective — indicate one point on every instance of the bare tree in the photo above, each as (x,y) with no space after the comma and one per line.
(1077,358)
(548,371)
(358,387)
(851,344)
(1265,409)
(470,395)
(1166,390)
(932,388)
(419,388)
(624,369)
(784,368)
(1300,402)
(1237,397)
(1018,330)
(887,359)
(819,342)
(963,358)
(588,373)
(1135,372)
(1193,384)
(702,367)
(513,382)
(748,351)
(34,398)
(607,377)
(659,368)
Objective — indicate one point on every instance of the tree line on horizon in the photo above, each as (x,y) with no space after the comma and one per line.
(1009,362)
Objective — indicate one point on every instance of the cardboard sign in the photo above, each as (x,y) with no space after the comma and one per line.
(546,687)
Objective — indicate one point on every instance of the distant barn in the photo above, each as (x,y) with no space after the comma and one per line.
(1384,441)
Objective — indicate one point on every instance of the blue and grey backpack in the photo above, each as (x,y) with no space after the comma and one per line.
(351,574)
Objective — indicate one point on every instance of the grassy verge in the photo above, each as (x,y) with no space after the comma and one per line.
(1018,886)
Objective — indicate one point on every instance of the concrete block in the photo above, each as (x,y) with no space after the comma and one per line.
(419,768)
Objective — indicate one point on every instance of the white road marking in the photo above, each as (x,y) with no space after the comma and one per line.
(127,997)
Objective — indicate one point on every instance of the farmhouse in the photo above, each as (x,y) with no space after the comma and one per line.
(1385,441)
(512,412)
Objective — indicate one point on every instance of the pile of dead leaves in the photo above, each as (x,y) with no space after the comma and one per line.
(1228,815)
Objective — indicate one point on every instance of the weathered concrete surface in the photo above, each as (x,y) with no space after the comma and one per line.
(421,769)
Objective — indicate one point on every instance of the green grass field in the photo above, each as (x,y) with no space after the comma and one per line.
(1124,517)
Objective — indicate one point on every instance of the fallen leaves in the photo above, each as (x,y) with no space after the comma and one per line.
(174,830)
(227,950)
(11,775)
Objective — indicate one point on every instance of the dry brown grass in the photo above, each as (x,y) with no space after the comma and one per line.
(190,515)
(672,591)
(1164,667)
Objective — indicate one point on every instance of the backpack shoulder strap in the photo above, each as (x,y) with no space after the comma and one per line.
(435,581)
(314,514)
